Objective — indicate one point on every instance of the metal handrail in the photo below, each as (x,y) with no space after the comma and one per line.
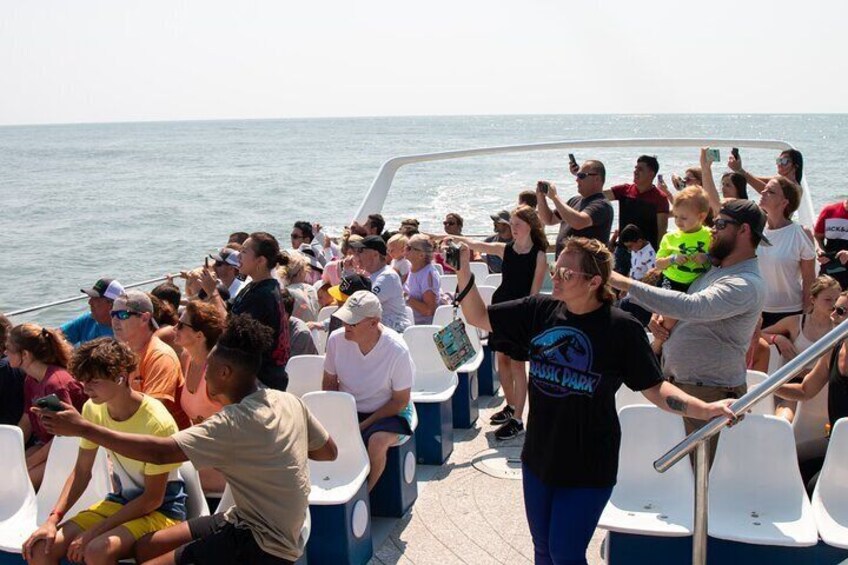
(80,297)
(697,440)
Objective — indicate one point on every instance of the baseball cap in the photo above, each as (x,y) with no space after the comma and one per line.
(138,301)
(747,212)
(349,285)
(374,242)
(105,288)
(361,305)
(309,253)
(228,256)
(501,217)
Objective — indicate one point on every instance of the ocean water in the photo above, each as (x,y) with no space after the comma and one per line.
(136,201)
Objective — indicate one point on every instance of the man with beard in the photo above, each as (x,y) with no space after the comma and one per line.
(705,353)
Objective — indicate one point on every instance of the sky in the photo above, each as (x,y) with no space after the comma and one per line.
(116,61)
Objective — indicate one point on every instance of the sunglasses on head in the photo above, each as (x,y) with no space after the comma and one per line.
(582,176)
(124,314)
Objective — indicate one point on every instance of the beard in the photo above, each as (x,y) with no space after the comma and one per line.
(720,248)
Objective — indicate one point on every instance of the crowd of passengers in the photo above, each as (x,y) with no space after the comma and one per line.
(198,373)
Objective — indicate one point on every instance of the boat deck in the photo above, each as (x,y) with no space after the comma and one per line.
(465,515)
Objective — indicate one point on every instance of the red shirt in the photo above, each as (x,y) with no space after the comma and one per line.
(653,196)
(833,222)
(56,381)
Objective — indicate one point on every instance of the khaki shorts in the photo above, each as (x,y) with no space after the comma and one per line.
(139,527)
(708,394)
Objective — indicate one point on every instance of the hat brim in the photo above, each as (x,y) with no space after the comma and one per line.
(337,294)
(347,316)
(91,292)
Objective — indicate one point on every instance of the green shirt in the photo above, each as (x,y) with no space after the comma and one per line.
(681,243)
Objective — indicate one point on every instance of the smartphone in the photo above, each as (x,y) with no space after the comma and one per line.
(452,256)
(544,186)
(50,402)
(572,160)
(660,179)
(713,155)
(735,152)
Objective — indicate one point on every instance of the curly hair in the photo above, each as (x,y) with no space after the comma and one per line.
(105,358)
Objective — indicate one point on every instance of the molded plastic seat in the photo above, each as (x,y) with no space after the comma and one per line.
(830,497)
(326,312)
(811,416)
(196,504)
(439,268)
(486,293)
(480,270)
(625,397)
(433,382)
(18,507)
(448,284)
(766,405)
(60,462)
(494,280)
(465,407)
(306,373)
(775,359)
(336,482)
(643,501)
(756,492)
(410,315)
(320,336)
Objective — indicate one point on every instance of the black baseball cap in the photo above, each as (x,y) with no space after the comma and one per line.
(747,212)
(374,242)
(348,285)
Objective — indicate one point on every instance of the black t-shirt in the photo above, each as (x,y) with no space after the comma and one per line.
(599,210)
(262,302)
(837,389)
(11,393)
(577,363)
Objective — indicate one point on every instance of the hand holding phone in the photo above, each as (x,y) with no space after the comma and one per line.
(735,152)
(50,402)
(713,155)
(543,186)
(572,164)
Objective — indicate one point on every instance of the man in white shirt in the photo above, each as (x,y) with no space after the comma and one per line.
(372,363)
(385,282)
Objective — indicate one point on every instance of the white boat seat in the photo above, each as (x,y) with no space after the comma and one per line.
(18,506)
(494,280)
(337,482)
(766,405)
(643,501)
(326,312)
(830,497)
(480,270)
(625,397)
(756,493)
(196,504)
(448,284)
(306,374)
(433,382)
(60,462)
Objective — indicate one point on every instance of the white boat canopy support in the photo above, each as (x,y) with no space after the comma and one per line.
(376,196)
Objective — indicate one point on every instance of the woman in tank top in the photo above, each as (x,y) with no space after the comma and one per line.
(198,330)
(830,370)
(523,271)
(794,334)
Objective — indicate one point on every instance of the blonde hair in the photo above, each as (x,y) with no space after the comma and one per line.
(822,283)
(297,264)
(695,197)
(397,239)
(422,243)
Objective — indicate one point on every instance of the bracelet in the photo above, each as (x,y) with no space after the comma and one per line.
(58,513)
(773,338)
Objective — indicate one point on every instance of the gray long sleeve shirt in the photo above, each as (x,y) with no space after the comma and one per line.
(716,319)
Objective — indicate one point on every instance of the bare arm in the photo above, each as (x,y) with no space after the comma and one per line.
(575,219)
(609,194)
(671,399)
(473,307)
(149,500)
(330,382)
(539,274)
(544,210)
(492,248)
(327,452)
(708,183)
(808,275)
(427,305)
(812,384)
(398,401)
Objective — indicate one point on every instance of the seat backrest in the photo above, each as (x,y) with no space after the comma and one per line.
(775,359)
(625,397)
(756,459)
(448,283)
(439,268)
(306,373)
(834,474)
(337,413)
(494,280)
(766,405)
(410,314)
(647,431)
(486,293)
(423,349)
(444,316)
(60,462)
(480,270)
(326,312)
(196,504)
(16,492)
(319,338)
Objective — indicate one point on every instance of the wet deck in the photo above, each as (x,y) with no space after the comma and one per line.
(464,515)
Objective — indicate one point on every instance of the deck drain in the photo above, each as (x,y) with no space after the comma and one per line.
(500,462)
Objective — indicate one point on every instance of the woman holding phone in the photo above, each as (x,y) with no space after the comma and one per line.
(581,349)
(523,271)
(43,355)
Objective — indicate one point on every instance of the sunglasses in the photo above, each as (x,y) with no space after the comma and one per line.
(448,223)
(783,161)
(840,310)
(124,314)
(180,325)
(565,274)
(720,223)
(582,176)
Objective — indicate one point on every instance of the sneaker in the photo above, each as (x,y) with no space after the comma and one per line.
(502,417)
(511,429)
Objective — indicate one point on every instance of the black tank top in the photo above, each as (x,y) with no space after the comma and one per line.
(837,390)
(517,271)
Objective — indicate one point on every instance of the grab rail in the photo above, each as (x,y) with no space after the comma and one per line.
(697,440)
(80,297)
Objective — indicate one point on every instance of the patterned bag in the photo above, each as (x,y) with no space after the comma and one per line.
(452,340)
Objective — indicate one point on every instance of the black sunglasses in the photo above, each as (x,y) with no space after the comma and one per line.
(840,310)
(123,314)
(582,176)
(181,325)
(721,223)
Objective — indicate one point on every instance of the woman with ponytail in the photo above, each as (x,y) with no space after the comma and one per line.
(260,299)
(43,355)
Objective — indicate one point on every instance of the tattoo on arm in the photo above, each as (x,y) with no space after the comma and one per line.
(676,404)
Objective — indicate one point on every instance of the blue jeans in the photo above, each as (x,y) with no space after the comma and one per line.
(562,520)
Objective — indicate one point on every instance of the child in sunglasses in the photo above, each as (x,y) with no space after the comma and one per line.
(682,256)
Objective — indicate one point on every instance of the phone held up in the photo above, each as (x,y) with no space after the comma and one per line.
(735,152)
(50,402)
(713,155)
(543,186)
(660,179)
(452,256)
(571,160)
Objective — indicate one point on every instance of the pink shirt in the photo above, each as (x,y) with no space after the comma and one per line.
(197,405)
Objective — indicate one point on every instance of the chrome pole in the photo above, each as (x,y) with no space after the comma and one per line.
(702,480)
(80,297)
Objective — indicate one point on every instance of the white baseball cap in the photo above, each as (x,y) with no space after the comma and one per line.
(362,304)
